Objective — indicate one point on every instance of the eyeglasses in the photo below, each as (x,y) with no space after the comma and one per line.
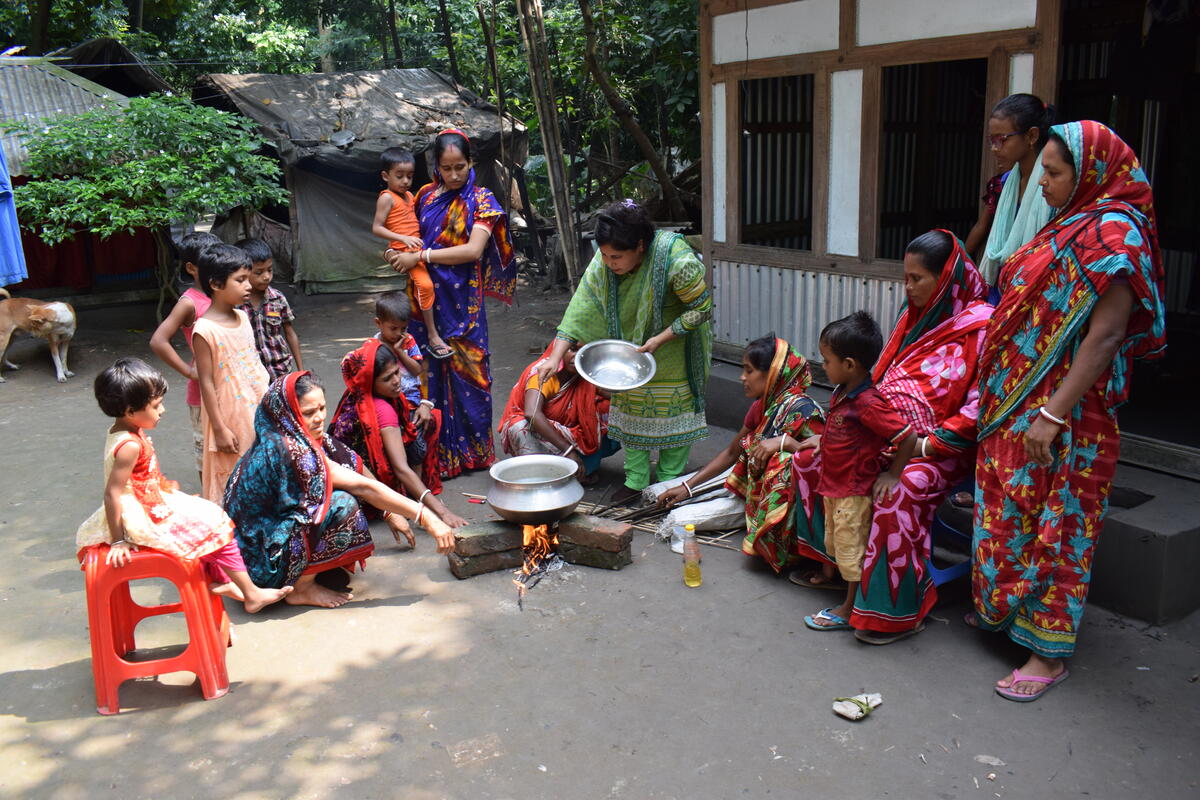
(997,140)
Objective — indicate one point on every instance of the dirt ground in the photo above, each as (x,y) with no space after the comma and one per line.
(608,684)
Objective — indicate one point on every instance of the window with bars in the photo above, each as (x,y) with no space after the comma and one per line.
(777,162)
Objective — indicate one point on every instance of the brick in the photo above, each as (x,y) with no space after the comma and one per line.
(592,557)
(470,566)
(493,536)
(597,533)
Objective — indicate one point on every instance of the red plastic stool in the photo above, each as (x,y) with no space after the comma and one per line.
(112,616)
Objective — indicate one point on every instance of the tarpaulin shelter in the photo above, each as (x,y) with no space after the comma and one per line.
(329,130)
(114,66)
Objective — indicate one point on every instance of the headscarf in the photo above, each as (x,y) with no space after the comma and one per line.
(577,407)
(452,214)
(1106,230)
(279,493)
(355,423)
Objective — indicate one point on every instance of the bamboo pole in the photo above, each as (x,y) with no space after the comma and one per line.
(533,34)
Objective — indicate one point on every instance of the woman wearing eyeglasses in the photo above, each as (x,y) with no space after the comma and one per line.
(1014,210)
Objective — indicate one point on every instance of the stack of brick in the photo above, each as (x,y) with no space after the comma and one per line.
(595,542)
(486,547)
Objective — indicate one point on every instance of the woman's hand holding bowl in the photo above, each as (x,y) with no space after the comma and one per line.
(655,342)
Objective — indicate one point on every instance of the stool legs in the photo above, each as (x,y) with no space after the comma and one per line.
(113,616)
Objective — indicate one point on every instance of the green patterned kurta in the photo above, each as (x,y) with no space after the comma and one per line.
(667,289)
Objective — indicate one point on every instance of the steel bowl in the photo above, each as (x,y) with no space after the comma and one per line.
(614,365)
(534,490)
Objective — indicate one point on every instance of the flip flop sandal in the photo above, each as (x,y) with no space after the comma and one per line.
(1019,677)
(875,637)
(836,623)
(440,354)
(805,579)
(857,707)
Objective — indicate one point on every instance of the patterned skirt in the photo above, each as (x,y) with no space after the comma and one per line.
(1036,527)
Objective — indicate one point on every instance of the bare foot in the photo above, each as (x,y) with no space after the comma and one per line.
(1037,667)
(261,598)
(316,595)
(227,590)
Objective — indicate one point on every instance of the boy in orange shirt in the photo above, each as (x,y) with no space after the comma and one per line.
(396,221)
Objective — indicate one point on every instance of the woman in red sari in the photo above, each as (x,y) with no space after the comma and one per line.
(1080,302)
(782,415)
(564,415)
(374,419)
(927,372)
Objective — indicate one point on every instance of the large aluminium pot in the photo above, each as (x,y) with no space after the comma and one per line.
(534,490)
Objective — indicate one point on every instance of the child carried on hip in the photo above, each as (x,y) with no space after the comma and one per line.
(396,221)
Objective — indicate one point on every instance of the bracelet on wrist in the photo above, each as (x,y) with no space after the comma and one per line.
(1047,415)
(689,489)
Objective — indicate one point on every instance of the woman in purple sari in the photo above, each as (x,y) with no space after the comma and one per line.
(468,255)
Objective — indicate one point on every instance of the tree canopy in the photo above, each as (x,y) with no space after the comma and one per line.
(648,48)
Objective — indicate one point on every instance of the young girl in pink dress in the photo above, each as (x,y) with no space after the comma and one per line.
(144,509)
(232,376)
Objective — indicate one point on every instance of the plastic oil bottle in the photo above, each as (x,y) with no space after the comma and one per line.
(691,557)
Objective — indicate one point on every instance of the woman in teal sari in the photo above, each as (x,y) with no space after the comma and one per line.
(647,288)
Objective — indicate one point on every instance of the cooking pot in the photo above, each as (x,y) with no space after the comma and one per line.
(534,490)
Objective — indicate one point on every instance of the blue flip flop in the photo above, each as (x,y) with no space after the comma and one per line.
(836,623)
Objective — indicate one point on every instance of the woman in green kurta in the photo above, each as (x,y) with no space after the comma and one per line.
(648,288)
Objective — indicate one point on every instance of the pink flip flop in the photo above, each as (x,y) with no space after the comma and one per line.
(1018,677)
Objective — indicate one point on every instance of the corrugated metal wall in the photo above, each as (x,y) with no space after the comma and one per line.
(752,300)
(33,89)
(777,169)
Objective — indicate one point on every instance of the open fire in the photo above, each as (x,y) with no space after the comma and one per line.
(540,550)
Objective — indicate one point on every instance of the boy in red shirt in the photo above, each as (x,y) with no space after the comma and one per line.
(859,425)
(396,221)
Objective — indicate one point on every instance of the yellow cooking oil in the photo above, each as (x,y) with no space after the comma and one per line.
(691,573)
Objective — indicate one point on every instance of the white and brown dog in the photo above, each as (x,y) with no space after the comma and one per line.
(53,321)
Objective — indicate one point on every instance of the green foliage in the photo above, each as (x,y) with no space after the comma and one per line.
(161,160)
(649,48)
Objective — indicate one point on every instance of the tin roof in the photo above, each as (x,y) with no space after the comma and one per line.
(34,89)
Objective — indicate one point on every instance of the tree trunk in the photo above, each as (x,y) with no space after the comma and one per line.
(449,40)
(136,13)
(625,114)
(323,37)
(533,33)
(40,33)
(164,269)
(391,24)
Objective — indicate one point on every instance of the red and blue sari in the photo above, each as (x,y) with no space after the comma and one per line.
(927,372)
(460,386)
(1036,526)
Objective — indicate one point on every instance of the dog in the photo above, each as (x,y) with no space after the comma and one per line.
(53,321)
